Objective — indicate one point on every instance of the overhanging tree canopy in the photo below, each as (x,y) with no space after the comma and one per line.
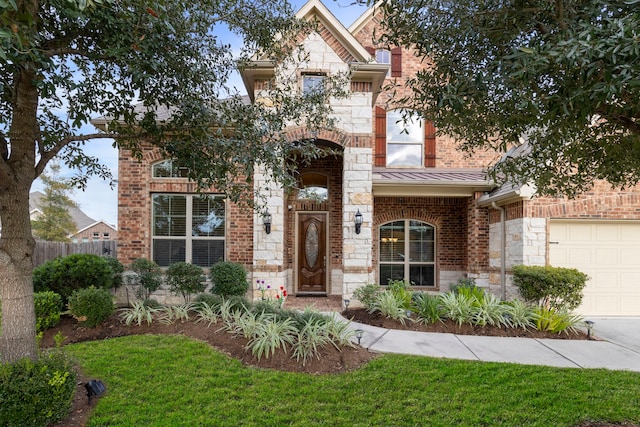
(65,61)
(564,76)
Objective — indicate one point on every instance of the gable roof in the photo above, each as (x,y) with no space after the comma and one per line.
(362,65)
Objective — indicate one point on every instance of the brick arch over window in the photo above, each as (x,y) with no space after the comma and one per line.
(334,135)
(417,214)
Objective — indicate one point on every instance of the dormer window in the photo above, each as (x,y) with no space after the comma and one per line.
(169,169)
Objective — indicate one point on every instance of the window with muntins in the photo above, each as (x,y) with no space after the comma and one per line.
(405,139)
(407,252)
(188,227)
(313,84)
(383,56)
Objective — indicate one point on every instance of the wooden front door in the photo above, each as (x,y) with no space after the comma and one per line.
(312,253)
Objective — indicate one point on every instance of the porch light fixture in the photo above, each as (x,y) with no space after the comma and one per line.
(346,304)
(266,220)
(358,221)
(589,324)
(359,334)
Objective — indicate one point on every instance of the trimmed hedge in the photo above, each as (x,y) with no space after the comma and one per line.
(48,307)
(37,393)
(553,287)
(77,271)
(228,279)
(91,306)
(185,279)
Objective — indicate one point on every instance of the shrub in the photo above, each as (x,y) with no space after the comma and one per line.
(147,276)
(48,306)
(552,287)
(391,306)
(137,314)
(91,306)
(228,279)
(367,294)
(116,271)
(488,311)
(458,307)
(402,291)
(426,307)
(467,286)
(556,320)
(37,393)
(213,301)
(519,314)
(72,272)
(185,279)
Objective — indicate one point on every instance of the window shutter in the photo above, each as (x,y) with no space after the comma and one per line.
(429,145)
(380,157)
(396,62)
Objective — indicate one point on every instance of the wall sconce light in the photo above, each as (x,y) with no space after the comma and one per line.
(589,324)
(359,333)
(358,221)
(266,220)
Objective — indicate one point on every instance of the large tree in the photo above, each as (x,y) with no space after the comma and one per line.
(562,75)
(54,223)
(158,72)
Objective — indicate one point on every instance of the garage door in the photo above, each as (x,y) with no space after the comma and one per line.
(609,252)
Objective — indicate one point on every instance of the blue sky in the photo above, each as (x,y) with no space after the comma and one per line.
(99,200)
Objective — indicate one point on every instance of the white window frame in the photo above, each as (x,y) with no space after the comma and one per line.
(404,133)
(179,172)
(383,56)
(407,262)
(188,237)
(320,80)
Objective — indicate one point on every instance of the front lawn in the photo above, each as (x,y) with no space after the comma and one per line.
(163,380)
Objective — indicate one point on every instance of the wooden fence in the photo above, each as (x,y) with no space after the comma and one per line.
(46,251)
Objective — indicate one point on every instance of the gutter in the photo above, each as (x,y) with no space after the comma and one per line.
(503,251)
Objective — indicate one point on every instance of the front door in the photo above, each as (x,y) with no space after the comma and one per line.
(312,252)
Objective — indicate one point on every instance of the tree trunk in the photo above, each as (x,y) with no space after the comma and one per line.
(18,326)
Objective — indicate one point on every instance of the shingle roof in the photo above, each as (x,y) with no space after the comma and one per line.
(81,219)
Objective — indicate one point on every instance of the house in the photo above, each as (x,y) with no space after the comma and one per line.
(397,201)
(87,229)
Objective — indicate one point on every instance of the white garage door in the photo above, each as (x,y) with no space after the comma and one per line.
(609,252)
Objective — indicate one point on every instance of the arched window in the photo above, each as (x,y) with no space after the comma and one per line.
(407,252)
(169,169)
(313,186)
(405,139)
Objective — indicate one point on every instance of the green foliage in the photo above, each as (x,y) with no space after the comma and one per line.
(367,294)
(64,275)
(54,223)
(427,307)
(519,314)
(402,290)
(117,269)
(556,320)
(270,336)
(458,307)
(468,288)
(228,279)
(185,279)
(173,313)
(309,340)
(147,276)
(91,306)
(208,299)
(37,393)
(390,305)
(48,306)
(488,311)
(139,313)
(562,75)
(550,286)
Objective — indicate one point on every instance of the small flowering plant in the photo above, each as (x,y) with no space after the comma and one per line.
(266,293)
(281,296)
(262,288)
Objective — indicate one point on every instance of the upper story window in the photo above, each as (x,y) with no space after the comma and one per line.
(405,139)
(314,186)
(313,84)
(383,56)
(169,169)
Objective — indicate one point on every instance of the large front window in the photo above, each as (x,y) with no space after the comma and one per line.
(188,227)
(407,252)
(405,139)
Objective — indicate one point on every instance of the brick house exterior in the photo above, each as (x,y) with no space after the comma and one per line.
(429,213)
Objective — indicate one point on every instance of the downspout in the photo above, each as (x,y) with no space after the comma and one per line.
(503,251)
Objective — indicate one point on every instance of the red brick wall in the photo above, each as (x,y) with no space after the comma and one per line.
(135,186)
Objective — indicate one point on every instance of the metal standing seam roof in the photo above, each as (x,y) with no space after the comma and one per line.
(437,177)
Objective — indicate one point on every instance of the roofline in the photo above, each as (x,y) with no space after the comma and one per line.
(364,18)
(94,224)
(524,192)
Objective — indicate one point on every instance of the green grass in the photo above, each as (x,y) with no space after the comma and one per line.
(176,381)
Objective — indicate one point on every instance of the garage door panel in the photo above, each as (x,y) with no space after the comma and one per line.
(607,251)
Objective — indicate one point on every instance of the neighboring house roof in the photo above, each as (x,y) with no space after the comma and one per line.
(431,182)
(82,220)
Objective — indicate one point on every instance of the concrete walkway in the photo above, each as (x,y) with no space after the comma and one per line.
(616,347)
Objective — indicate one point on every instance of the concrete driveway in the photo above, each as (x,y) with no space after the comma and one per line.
(624,331)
